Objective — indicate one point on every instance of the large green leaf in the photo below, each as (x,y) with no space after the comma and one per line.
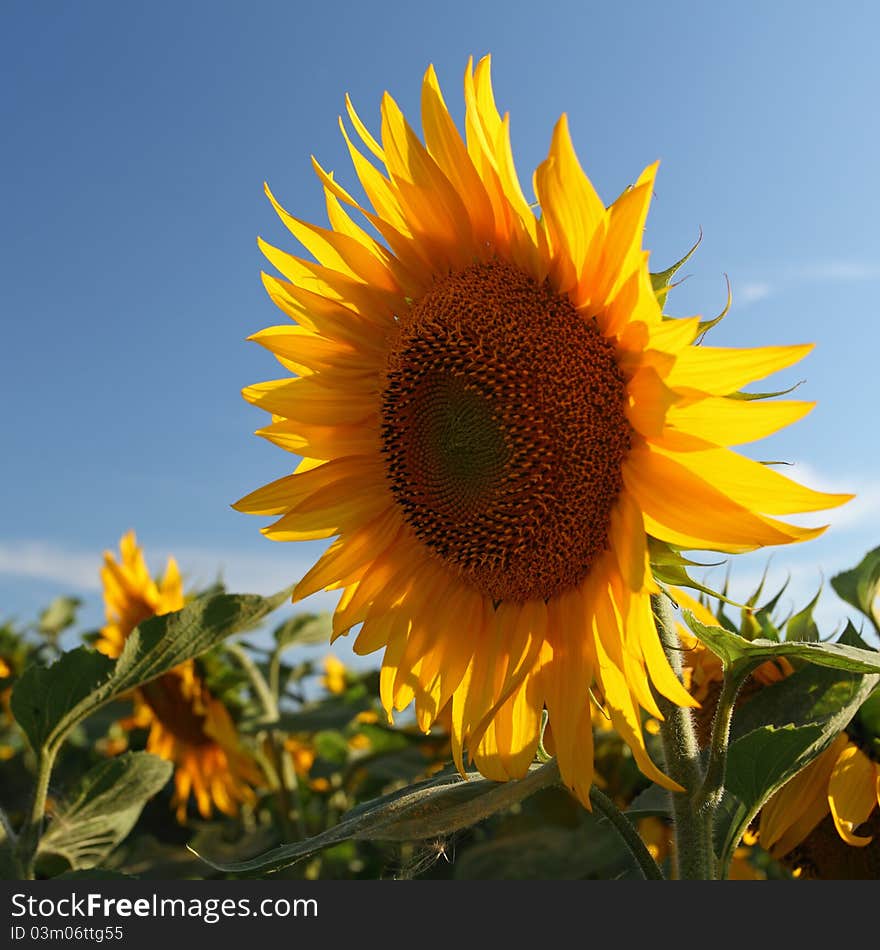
(778,732)
(431,809)
(733,648)
(49,701)
(861,586)
(103,808)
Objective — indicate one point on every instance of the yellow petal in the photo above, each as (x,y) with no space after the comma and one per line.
(445,145)
(720,370)
(755,486)
(308,400)
(724,421)
(852,794)
(684,509)
(795,810)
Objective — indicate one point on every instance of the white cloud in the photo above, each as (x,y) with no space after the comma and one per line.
(75,570)
(47,561)
(752,290)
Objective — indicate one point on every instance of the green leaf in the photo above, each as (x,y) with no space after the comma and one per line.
(861,586)
(733,649)
(590,852)
(654,801)
(304,630)
(49,701)
(778,732)
(58,616)
(431,809)
(103,808)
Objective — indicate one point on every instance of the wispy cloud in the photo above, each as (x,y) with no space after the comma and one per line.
(753,291)
(76,570)
(780,279)
(43,560)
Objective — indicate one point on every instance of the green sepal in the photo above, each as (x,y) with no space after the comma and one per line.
(705,326)
(669,566)
(780,392)
(801,625)
(661,282)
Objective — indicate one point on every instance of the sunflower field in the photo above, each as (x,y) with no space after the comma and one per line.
(519,461)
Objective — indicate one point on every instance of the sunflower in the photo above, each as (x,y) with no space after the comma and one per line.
(840,788)
(842,784)
(187,725)
(494,417)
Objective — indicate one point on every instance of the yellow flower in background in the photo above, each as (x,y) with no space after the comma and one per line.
(187,725)
(493,418)
(844,781)
(334,679)
(302,754)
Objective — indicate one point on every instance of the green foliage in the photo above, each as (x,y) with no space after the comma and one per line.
(345,794)
(433,808)
(49,701)
(778,732)
(103,808)
(734,649)
(58,616)
(861,586)
(304,630)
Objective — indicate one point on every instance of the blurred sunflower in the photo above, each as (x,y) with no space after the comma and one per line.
(187,725)
(840,788)
(843,782)
(493,418)
(335,678)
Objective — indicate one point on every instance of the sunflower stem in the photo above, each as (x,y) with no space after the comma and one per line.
(709,795)
(630,837)
(287,787)
(29,839)
(694,853)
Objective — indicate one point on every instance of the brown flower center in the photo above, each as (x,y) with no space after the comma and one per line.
(504,431)
(176,709)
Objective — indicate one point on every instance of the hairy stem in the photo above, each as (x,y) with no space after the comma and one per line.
(694,855)
(29,839)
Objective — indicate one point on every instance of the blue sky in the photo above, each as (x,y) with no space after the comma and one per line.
(137,139)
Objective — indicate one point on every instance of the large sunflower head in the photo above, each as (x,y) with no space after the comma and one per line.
(187,725)
(494,416)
